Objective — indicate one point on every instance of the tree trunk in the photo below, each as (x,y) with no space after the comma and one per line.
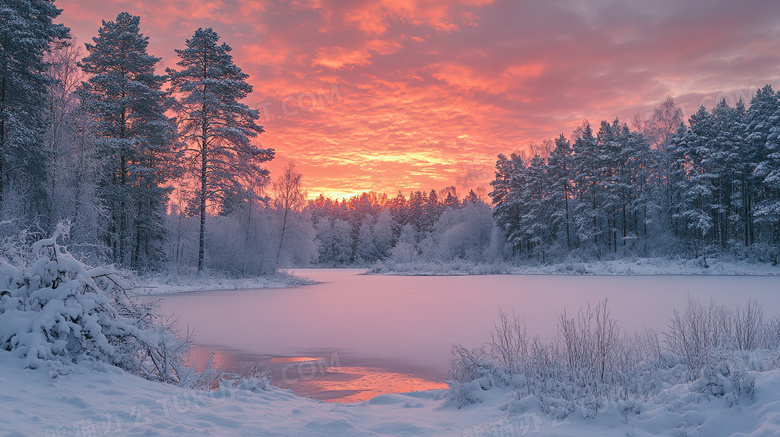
(281,237)
(3,116)
(566,205)
(202,234)
(122,213)
(204,128)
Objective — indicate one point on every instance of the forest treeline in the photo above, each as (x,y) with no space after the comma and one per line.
(706,186)
(159,171)
(97,138)
(257,237)
(669,188)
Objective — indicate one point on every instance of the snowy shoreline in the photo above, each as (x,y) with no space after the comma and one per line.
(632,267)
(176,284)
(59,397)
(103,400)
(170,284)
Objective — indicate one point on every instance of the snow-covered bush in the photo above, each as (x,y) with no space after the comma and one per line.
(54,310)
(472,374)
(334,241)
(247,242)
(464,233)
(726,377)
(461,240)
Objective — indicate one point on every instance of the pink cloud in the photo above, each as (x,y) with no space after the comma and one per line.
(431,90)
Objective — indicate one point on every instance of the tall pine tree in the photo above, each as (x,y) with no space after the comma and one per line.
(588,182)
(216,126)
(125,97)
(509,180)
(762,178)
(27,32)
(559,168)
(767,171)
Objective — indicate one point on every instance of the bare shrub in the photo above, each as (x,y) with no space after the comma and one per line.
(465,363)
(702,331)
(591,365)
(589,340)
(509,343)
(749,326)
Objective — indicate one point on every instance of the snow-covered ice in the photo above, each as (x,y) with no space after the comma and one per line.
(94,399)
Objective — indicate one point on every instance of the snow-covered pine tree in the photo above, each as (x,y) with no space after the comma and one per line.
(125,97)
(27,32)
(334,241)
(629,184)
(676,173)
(382,234)
(450,199)
(609,166)
(215,125)
(471,197)
(727,163)
(762,192)
(433,209)
(641,196)
(417,202)
(559,170)
(399,213)
(587,180)
(767,172)
(507,184)
(534,207)
(365,248)
(694,181)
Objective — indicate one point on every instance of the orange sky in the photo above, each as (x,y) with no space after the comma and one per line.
(386,95)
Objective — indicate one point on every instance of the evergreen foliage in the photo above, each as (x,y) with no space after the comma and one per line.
(27,32)
(137,139)
(216,126)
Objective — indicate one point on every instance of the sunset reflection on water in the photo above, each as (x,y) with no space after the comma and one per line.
(324,377)
(354,384)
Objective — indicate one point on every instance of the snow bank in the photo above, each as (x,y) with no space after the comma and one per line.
(174,283)
(623,267)
(654,266)
(106,401)
(432,268)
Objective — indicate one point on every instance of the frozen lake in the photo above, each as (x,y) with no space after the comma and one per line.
(354,336)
